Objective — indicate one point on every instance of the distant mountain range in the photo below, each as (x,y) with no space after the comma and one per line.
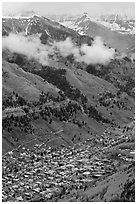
(122,24)
(116,30)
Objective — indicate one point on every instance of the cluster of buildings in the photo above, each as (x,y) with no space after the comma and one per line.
(44,174)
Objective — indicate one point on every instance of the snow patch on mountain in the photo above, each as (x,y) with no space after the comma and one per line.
(118,23)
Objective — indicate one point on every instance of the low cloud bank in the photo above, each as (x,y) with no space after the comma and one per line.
(32,47)
(98,53)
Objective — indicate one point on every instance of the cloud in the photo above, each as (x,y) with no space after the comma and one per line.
(98,53)
(32,47)
(67,48)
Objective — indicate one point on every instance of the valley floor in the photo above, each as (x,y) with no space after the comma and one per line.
(87,171)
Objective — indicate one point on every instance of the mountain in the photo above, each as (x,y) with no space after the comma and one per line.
(115,31)
(122,24)
(117,77)
(40,25)
(68,129)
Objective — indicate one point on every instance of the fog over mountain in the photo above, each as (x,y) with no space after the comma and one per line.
(32,47)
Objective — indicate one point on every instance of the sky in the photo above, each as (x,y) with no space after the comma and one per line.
(45,8)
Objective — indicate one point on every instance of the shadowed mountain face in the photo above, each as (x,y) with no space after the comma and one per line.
(49,30)
(66,111)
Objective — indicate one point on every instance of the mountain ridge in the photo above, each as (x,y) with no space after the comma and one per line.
(111,33)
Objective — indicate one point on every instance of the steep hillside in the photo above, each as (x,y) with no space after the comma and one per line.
(97,103)
(27,85)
